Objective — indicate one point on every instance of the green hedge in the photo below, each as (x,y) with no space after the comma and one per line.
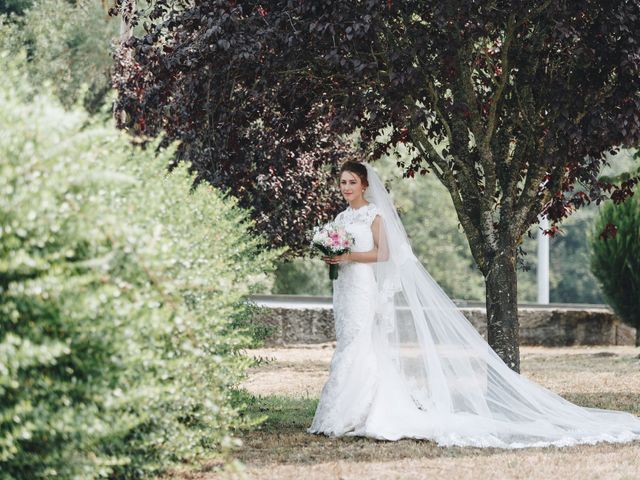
(615,260)
(121,298)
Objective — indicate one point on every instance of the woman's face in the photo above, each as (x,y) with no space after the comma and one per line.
(351,186)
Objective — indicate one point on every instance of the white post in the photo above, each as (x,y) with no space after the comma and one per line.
(543,262)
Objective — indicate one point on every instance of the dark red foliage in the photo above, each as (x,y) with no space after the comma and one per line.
(258,92)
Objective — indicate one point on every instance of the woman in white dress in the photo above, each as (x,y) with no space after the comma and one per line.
(408,364)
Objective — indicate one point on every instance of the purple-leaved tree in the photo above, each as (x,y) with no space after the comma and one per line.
(513,105)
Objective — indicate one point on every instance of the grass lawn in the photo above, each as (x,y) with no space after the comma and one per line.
(287,386)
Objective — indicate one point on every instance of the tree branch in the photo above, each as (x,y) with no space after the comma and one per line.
(496,97)
(486,158)
(445,175)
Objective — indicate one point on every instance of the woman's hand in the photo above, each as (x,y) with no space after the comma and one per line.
(337,259)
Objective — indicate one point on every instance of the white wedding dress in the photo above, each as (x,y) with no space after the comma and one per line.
(348,394)
(408,364)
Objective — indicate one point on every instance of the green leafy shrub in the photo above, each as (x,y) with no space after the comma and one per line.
(615,259)
(307,275)
(69,47)
(122,291)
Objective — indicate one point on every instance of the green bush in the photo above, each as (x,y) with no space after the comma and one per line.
(307,275)
(571,280)
(69,47)
(615,260)
(571,277)
(122,290)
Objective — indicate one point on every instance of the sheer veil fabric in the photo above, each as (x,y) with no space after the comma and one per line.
(438,379)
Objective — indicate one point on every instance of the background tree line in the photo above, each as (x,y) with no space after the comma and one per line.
(71,42)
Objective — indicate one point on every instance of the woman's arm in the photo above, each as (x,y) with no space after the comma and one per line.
(364,257)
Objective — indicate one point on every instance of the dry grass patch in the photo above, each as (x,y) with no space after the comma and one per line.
(287,386)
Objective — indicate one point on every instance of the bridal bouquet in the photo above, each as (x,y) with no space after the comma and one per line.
(332,240)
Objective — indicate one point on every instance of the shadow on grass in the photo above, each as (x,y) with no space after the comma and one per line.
(627,402)
(283,439)
(283,413)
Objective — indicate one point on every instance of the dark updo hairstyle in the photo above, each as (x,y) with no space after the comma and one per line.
(357,168)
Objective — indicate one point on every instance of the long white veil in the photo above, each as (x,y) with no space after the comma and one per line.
(460,392)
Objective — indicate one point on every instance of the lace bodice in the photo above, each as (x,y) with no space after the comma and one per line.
(357,221)
(364,214)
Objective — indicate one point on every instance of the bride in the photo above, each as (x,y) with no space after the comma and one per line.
(408,364)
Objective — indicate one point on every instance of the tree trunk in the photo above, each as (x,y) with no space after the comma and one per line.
(502,308)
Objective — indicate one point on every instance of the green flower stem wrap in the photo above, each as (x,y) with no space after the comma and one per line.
(333,271)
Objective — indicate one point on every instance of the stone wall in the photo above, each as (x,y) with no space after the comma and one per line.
(546,326)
